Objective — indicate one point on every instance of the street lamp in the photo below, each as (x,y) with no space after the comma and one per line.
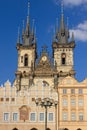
(46,102)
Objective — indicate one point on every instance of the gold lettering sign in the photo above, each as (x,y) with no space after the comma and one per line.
(24,113)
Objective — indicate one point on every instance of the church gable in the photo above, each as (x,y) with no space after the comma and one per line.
(72,82)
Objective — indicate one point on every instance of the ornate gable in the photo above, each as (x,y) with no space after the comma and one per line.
(44,67)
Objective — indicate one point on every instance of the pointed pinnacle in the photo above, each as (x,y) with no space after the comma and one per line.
(18,40)
(73,36)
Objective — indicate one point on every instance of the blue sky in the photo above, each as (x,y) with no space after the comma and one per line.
(45,12)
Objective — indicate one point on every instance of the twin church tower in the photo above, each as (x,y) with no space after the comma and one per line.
(29,71)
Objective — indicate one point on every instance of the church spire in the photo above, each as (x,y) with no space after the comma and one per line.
(28,21)
(62,26)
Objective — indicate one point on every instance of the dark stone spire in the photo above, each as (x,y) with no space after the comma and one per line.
(27,35)
(63,34)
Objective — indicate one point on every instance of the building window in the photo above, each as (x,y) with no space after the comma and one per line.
(50,117)
(64,102)
(80,102)
(26,60)
(41,118)
(63,58)
(73,102)
(73,116)
(80,116)
(6,116)
(7,99)
(72,91)
(15,116)
(12,99)
(64,91)
(32,116)
(80,91)
(1,99)
(65,116)
(21,59)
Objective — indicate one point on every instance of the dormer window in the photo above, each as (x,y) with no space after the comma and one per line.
(26,60)
(63,58)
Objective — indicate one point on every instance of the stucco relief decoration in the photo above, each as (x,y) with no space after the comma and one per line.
(24,113)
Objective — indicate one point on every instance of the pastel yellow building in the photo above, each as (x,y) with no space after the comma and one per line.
(45,94)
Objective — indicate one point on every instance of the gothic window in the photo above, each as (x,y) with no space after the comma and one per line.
(63,58)
(26,60)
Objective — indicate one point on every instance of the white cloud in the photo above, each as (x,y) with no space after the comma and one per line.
(75,2)
(71,2)
(80,32)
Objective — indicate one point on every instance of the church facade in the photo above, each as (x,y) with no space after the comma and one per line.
(45,94)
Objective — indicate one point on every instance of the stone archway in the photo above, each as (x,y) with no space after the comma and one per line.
(14,129)
(33,129)
(48,129)
(66,129)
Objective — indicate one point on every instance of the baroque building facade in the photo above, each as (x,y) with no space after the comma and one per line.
(44,95)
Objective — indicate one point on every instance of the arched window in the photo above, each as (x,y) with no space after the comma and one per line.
(26,60)
(63,58)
